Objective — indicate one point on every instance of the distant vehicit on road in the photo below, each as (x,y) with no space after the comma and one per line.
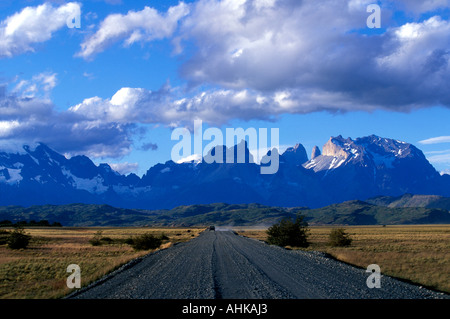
(212,228)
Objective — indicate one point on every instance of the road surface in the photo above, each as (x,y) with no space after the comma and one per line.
(223,265)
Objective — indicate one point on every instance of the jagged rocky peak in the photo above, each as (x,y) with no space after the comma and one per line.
(295,155)
(338,146)
(387,146)
(233,154)
(42,152)
(374,145)
(315,152)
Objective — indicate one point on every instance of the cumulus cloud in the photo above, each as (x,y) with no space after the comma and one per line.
(277,57)
(7,128)
(254,59)
(171,107)
(174,107)
(305,49)
(30,119)
(21,31)
(135,26)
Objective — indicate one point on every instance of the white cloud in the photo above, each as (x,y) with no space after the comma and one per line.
(440,159)
(413,43)
(7,128)
(423,6)
(19,32)
(41,84)
(436,140)
(196,158)
(254,59)
(170,106)
(279,57)
(301,48)
(131,105)
(136,26)
(26,119)
(125,168)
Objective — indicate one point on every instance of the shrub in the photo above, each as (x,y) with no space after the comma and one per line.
(5,223)
(43,223)
(129,241)
(97,239)
(3,237)
(146,242)
(17,239)
(107,240)
(163,237)
(289,233)
(339,238)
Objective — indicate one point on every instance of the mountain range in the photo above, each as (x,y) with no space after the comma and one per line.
(345,169)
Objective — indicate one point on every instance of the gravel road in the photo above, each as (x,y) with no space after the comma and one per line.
(222,265)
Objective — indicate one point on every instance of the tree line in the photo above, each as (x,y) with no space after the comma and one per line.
(31,223)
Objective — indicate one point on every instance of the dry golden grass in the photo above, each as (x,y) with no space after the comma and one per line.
(417,253)
(420,254)
(40,270)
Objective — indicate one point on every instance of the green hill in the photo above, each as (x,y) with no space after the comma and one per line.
(409,200)
(362,213)
(354,212)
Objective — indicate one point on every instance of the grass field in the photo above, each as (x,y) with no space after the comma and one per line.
(40,270)
(420,254)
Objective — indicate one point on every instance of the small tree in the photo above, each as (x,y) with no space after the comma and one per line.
(18,239)
(289,233)
(339,238)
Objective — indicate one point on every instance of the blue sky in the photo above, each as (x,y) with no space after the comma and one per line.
(115,88)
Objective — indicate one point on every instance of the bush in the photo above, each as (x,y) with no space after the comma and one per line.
(3,237)
(6,223)
(339,238)
(129,241)
(107,240)
(17,239)
(146,242)
(289,233)
(163,237)
(97,239)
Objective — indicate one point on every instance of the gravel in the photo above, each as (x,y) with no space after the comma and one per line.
(223,265)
